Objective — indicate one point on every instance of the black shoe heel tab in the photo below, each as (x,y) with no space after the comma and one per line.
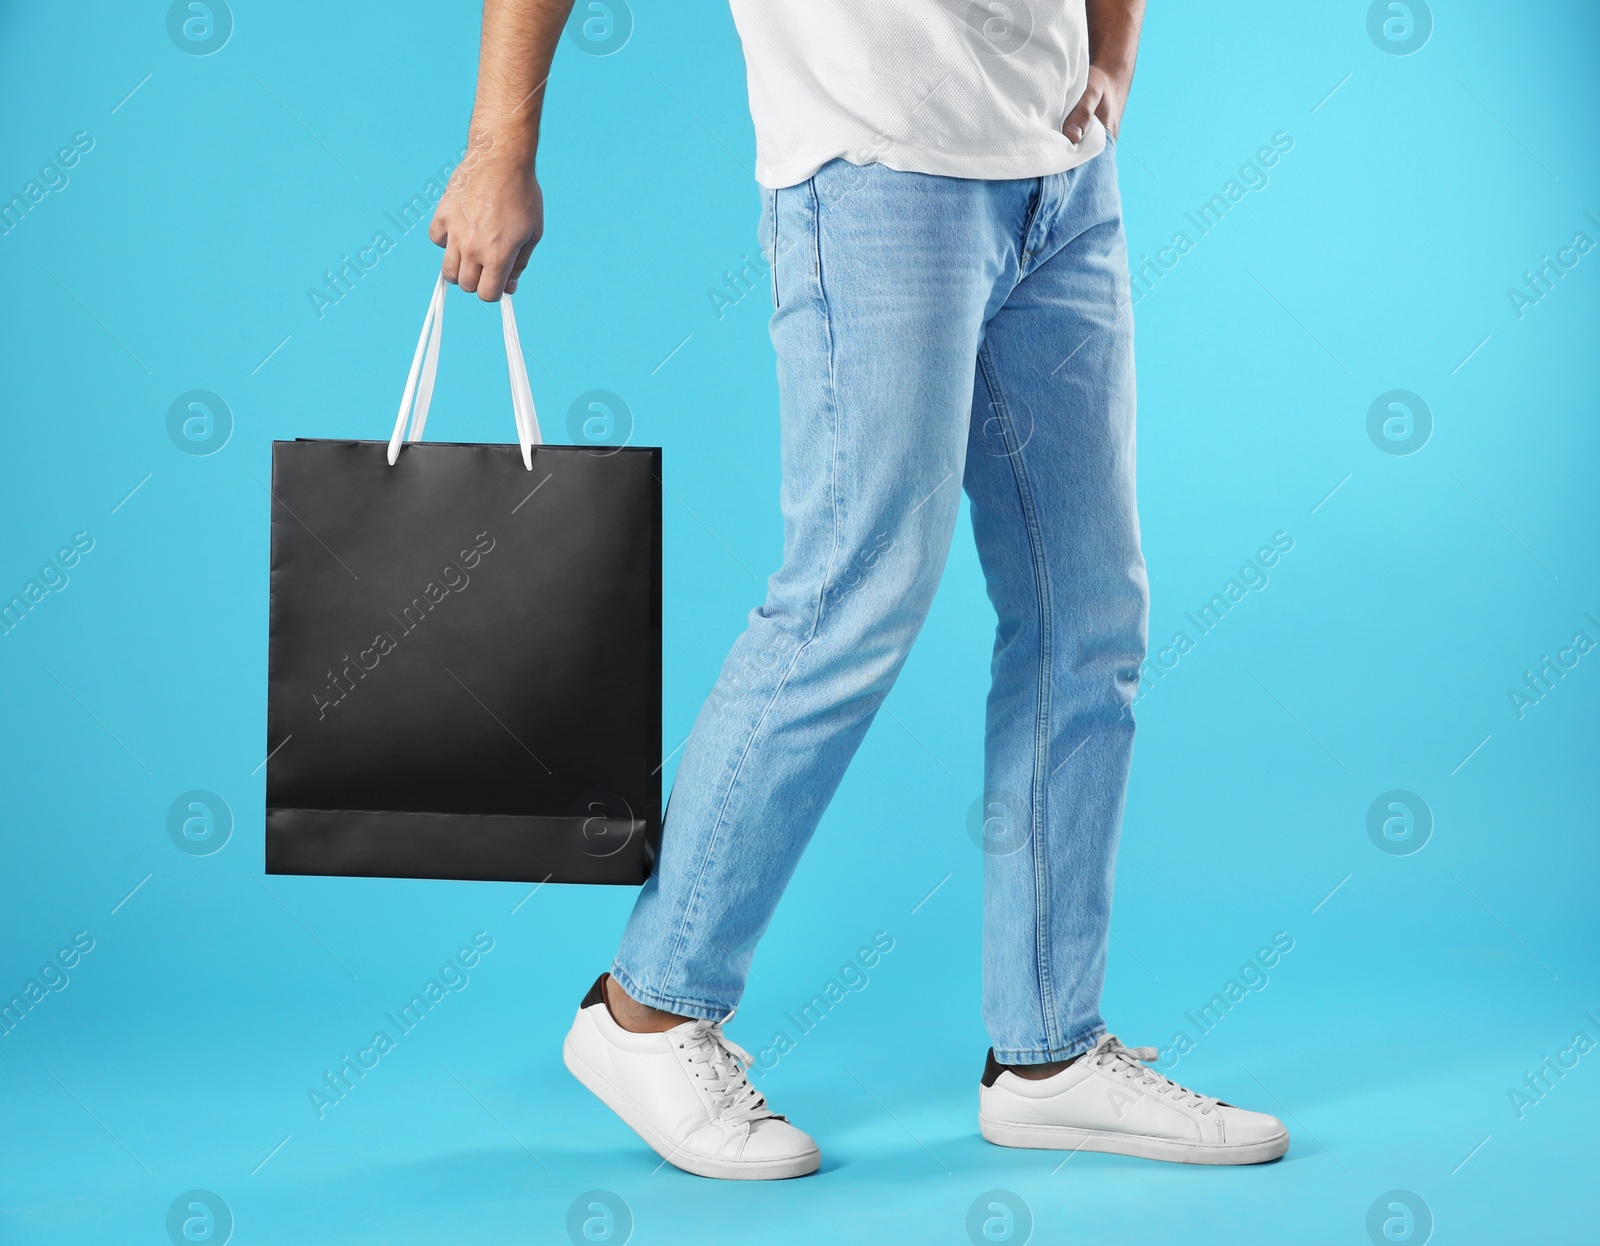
(992,1069)
(596,994)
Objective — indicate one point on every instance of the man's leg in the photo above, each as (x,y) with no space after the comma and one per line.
(883,281)
(1050,470)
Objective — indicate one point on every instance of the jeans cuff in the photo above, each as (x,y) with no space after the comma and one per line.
(696,1008)
(1046,1055)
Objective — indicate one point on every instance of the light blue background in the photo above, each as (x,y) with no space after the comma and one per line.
(1380,656)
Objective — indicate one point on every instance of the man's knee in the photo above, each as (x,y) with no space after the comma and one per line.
(866,631)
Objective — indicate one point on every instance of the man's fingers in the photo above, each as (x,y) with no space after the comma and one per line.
(438,229)
(492,284)
(486,277)
(521,260)
(1109,110)
(518,263)
(1078,118)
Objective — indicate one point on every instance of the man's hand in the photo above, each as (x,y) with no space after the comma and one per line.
(1113,48)
(1105,97)
(489,221)
(492,213)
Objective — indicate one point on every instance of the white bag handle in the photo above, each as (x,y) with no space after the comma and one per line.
(425,366)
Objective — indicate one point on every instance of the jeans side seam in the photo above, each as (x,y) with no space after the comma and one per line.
(1041,785)
(687,920)
(775,303)
(833,412)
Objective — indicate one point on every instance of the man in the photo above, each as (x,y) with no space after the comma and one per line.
(950,298)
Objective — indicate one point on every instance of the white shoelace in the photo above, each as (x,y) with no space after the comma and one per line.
(1132,1064)
(719,1066)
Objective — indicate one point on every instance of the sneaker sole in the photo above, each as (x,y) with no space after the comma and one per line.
(700,1165)
(1064,1138)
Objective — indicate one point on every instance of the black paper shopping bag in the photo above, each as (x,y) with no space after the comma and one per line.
(464,670)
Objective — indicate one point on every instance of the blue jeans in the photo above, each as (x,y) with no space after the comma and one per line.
(932,334)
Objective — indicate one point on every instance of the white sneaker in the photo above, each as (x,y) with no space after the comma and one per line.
(684,1091)
(1108,1100)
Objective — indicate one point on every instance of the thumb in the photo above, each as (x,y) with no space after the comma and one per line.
(1078,119)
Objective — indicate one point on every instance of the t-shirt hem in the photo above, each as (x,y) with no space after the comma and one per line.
(906,159)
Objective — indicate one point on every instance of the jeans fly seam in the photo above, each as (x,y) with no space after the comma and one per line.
(1023,250)
(1039,803)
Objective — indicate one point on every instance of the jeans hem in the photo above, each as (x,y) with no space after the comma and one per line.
(1045,1055)
(699,1009)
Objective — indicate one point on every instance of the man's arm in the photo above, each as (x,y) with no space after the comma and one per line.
(492,213)
(1113,48)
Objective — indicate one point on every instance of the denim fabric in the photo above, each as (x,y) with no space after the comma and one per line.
(932,333)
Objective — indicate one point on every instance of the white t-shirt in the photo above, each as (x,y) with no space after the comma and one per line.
(961,88)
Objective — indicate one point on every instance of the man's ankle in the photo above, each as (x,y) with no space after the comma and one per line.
(633,1016)
(1038,1072)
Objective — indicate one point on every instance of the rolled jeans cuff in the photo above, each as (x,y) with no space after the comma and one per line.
(677,1004)
(1046,1055)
